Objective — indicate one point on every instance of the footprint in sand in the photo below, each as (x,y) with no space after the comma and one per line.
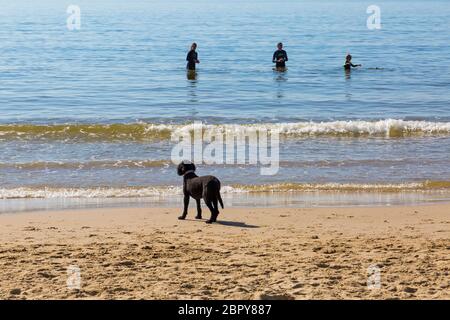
(270,296)
(409,290)
(31,229)
(15,291)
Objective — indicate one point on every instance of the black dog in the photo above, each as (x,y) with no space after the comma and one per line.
(206,187)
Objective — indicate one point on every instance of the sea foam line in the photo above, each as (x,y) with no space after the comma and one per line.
(166,191)
(151,131)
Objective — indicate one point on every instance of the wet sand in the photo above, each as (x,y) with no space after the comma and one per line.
(258,253)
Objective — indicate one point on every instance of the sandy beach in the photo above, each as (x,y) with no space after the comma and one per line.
(252,253)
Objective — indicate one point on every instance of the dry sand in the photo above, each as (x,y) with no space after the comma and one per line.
(321,253)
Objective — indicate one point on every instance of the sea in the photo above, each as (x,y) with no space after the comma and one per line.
(88,109)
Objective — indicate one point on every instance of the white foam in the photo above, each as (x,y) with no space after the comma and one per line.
(356,127)
(166,191)
(107,192)
(386,127)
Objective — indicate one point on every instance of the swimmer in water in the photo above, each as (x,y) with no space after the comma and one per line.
(280,57)
(348,63)
(192,58)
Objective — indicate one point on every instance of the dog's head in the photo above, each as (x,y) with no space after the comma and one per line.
(184,167)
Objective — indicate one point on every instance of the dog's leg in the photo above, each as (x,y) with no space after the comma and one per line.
(186,206)
(199,210)
(211,208)
(216,208)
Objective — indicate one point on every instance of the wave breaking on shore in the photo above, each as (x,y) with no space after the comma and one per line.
(165,191)
(141,131)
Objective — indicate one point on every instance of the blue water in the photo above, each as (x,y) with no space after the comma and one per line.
(127,65)
(127,62)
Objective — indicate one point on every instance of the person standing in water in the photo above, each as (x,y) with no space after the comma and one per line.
(192,58)
(348,63)
(280,58)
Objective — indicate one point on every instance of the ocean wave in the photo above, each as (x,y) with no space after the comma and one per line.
(165,191)
(347,187)
(152,131)
(86,165)
(164,164)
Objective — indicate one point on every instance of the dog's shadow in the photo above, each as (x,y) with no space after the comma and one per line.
(229,223)
(236,224)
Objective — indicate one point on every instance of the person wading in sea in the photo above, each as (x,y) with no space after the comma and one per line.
(192,58)
(348,65)
(280,58)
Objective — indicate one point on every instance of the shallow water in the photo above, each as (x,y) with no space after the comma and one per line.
(96,107)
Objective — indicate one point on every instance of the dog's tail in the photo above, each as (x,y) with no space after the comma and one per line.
(219,198)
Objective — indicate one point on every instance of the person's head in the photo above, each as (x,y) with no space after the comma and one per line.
(348,58)
(193,46)
(280,45)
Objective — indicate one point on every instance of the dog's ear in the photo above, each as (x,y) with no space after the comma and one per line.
(193,167)
(181,169)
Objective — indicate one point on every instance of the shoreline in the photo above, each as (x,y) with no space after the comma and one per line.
(252,253)
(278,199)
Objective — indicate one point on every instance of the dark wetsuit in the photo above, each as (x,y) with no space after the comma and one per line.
(191,58)
(348,65)
(278,55)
